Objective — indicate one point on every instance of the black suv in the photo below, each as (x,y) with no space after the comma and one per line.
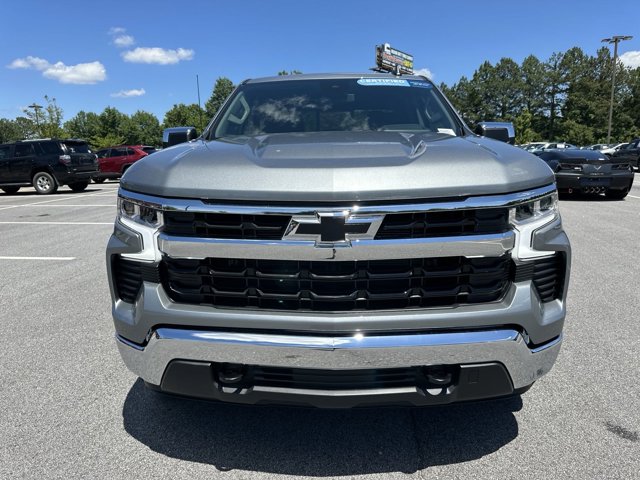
(46,164)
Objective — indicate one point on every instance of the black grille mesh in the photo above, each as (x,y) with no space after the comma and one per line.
(337,286)
(547,275)
(130,274)
(223,225)
(444,223)
(394,226)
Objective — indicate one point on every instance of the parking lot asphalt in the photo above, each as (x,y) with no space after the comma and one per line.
(70,409)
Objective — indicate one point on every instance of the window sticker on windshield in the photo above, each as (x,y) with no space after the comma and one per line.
(419,83)
(383,82)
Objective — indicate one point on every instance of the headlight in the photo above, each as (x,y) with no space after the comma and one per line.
(139,212)
(545,208)
(527,218)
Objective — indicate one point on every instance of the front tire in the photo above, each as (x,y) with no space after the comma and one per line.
(10,190)
(78,186)
(98,180)
(44,183)
(617,194)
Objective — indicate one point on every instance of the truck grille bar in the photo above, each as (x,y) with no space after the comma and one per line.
(336,286)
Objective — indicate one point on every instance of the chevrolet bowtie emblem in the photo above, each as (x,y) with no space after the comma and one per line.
(333,228)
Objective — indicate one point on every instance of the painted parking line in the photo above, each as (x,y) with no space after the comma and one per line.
(7,207)
(112,205)
(633,196)
(65,259)
(56,223)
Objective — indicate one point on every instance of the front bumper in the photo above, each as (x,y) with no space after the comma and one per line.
(178,346)
(578,181)
(481,355)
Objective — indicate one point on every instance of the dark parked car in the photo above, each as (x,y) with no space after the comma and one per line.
(629,154)
(46,164)
(114,161)
(589,171)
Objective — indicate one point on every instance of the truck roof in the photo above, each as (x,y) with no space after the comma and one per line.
(327,76)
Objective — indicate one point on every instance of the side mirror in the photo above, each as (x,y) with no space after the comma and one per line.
(175,135)
(503,131)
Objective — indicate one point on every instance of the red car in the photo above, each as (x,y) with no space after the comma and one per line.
(114,161)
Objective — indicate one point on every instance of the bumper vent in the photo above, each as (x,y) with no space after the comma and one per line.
(337,286)
(547,275)
(223,225)
(129,275)
(336,379)
(444,223)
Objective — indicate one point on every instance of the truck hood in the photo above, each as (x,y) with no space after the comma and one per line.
(337,167)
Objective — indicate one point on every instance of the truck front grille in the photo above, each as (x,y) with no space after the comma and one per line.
(336,285)
(444,223)
(394,226)
(225,225)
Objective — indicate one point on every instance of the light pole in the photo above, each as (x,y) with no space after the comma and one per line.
(615,40)
(36,107)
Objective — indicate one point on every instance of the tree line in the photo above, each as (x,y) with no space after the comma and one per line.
(565,97)
(111,127)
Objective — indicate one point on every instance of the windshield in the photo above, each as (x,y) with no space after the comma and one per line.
(325,105)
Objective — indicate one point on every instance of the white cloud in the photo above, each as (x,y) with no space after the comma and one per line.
(159,56)
(124,41)
(120,37)
(82,73)
(134,92)
(424,71)
(631,59)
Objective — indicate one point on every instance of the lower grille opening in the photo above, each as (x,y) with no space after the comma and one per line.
(336,286)
(245,376)
(129,276)
(547,275)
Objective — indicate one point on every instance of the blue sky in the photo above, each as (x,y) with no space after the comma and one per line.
(146,54)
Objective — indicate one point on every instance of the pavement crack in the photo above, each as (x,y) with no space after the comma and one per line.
(622,432)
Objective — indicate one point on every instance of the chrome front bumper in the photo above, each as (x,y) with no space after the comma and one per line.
(505,346)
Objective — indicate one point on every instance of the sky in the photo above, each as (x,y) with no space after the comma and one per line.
(145,55)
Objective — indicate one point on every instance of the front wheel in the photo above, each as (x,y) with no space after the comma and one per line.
(44,183)
(98,180)
(78,186)
(617,194)
(10,190)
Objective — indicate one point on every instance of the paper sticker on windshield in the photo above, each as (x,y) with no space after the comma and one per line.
(419,83)
(383,82)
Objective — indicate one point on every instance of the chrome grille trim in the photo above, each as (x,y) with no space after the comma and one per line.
(494,245)
(196,205)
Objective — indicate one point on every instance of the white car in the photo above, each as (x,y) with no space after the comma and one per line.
(613,148)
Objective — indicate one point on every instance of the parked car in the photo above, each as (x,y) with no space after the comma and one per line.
(613,148)
(589,171)
(630,153)
(46,164)
(114,161)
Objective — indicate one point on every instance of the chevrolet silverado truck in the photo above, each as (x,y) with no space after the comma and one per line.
(336,241)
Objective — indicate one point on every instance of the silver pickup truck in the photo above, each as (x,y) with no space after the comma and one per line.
(337,241)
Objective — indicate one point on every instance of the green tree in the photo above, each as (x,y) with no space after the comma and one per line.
(182,115)
(146,129)
(221,91)
(9,131)
(83,125)
(48,120)
(113,129)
